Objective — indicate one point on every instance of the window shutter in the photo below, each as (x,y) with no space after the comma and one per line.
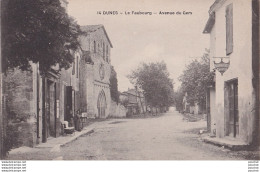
(229,29)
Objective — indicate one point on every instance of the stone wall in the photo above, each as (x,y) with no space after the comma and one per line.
(97,44)
(90,90)
(18,86)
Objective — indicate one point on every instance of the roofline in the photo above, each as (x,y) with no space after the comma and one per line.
(107,37)
(216,5)
(126,92)
(101,26)
(211,20)
(210,24)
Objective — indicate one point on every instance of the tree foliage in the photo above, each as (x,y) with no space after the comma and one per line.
(195,79)
(37,31)
(114,85)
(178,99)
(154,80)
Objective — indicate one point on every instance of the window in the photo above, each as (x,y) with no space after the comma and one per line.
(107,54)
(95,50)
(229,29)
(103,51)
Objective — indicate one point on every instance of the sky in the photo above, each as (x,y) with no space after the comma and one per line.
(174,39)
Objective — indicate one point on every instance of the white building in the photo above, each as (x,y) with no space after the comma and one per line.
(233,28)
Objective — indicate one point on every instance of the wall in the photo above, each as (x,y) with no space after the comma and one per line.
(117,110)
(213,109)
(20,105)
(94,84)
(240,66)
(213,90)
(83,75)
(24,90)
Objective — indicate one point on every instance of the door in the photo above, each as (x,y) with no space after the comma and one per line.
(68,103)
(50,109)
(233,120)
(101,104)
(47,106)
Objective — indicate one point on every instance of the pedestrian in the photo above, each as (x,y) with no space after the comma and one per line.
(71,122)
(77,120)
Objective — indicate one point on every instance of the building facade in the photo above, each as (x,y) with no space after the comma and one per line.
(37,104)
(233,101)
(135,101)
(95,70)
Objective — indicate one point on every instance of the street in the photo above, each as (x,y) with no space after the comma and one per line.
(167,137)
(164,137)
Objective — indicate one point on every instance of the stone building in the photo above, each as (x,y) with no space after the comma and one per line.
(234,32)
(37,104)
(95,70)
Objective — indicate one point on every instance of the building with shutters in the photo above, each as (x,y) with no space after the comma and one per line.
(233,98)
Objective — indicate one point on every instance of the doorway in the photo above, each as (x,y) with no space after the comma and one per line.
(50,109)
(68,103)
(101,104)
(232,103)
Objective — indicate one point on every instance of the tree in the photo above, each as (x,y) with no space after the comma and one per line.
(195,79)
(113,85)
(178,99)
(38,31)
(154,80)
(35,31)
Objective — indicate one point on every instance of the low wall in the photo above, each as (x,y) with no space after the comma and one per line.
(117,110)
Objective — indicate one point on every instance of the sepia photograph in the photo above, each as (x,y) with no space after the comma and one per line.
(129,80)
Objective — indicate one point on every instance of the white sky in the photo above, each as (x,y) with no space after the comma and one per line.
(136,38)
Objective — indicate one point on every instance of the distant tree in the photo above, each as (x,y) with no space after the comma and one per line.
(124,102)
(37,31)
(114,85)
(195,79)
(178,99)
(154,80)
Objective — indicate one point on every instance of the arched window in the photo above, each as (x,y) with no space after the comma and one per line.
(95,50)
(104,52)
(107,54)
